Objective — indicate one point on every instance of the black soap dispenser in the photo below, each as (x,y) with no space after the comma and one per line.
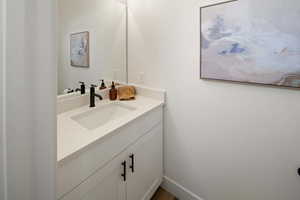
(103,86)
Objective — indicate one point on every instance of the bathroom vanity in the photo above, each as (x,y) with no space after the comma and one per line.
(112,151)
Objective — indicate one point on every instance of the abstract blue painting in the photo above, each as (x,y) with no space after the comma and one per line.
(253,41)
(79,49)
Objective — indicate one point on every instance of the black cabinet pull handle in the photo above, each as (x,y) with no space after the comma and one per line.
(124,170)
(132,163)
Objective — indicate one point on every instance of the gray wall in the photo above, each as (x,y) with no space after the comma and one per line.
(223,141)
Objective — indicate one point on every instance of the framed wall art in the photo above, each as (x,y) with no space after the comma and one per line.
(252,41)
(79,49)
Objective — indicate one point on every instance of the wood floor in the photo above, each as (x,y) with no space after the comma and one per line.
(161,194)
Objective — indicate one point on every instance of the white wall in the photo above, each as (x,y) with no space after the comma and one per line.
(19,113)
(2,165)
(223,141)
(105,20)
(44,100)
(30,100)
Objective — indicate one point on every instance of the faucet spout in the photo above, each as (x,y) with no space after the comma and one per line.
(93,95)
(99,97)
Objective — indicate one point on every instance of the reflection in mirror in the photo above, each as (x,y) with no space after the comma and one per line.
(92,43)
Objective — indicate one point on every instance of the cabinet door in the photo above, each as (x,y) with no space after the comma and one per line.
(147,174)
(106,184)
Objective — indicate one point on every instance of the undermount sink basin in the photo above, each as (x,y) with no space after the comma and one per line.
(101,115)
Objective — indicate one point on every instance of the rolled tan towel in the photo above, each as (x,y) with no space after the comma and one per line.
(126,93)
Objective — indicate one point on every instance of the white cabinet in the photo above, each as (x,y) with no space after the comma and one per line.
(134,174)
(77,168)
(105,184)
(147,172)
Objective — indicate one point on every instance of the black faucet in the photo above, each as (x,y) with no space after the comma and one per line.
(93,95)
(82,88)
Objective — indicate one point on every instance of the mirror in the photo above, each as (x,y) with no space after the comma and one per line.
(92,42)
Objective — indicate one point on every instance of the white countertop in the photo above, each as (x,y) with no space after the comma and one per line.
(72,137)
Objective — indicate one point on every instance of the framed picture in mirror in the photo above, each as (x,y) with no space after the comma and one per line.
(79,49)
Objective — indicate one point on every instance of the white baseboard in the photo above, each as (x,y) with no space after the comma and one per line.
(153,189)
(178,190)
